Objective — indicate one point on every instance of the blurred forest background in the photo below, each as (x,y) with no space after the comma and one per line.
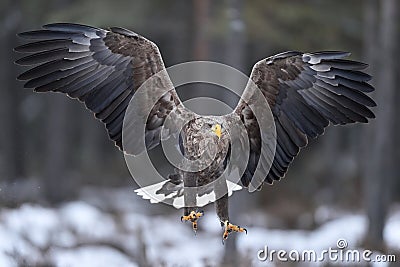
(51,147)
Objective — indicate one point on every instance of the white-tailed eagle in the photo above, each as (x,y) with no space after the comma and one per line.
(104,68)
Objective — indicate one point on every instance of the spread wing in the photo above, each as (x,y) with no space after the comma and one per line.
(306,92)
(102,69)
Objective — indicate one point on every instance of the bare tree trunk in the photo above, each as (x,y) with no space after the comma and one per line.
(235,47)
(371,9)
(200,26)
(380,169)
(330,160)
(12,131)
(91,144)
(201,42)
(370,54)
(56,183)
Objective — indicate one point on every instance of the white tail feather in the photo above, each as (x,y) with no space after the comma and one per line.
(149,193)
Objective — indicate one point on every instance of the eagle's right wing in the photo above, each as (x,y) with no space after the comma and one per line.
(103,69)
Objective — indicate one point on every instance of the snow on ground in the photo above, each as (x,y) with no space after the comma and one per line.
(392,231)
(350,228)
(86,220)
(90,256)
(94,232)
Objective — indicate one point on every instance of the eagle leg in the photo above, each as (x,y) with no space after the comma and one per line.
(189,194)
(193,216)
(221,206)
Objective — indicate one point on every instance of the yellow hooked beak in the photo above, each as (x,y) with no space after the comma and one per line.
(217,130)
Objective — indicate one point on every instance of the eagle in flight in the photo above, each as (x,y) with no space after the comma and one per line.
(104,68)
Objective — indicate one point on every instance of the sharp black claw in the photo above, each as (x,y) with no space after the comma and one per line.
(181,218)
(245,230)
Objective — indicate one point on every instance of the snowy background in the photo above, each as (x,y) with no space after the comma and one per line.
(66,197)
(117,228)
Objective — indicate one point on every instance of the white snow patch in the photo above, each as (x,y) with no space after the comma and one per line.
(7,260)
(170,242)
(33,222)
(14,246)
(94,256)
(87,220)
(392,231)
(351,228)
(210,222)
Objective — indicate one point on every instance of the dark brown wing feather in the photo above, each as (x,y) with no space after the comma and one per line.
(101,68)
(305,92)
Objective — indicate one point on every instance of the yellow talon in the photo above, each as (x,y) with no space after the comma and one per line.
(228,228)
(192,217)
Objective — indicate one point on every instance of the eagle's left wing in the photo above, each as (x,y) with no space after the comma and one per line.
(305,91)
